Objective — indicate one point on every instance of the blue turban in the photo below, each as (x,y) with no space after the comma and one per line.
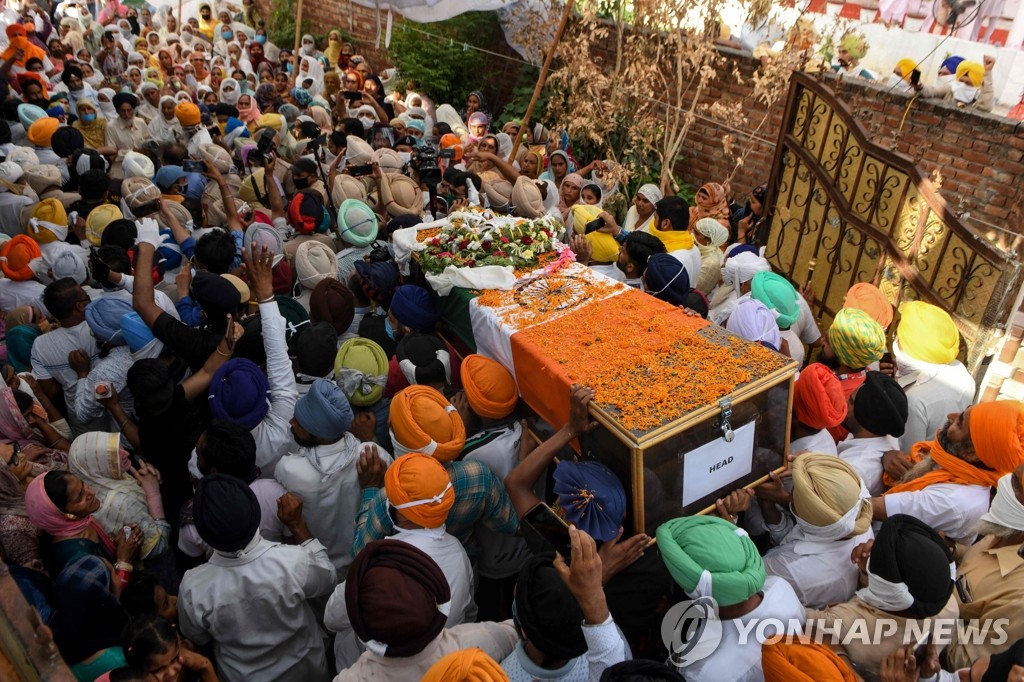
(592,497)
(377,281)
(239,393)
(167,176)
(170,251)
(667,279)
(951,63)
(411,306)
(56,111)
(29,114)
(135,331)
(324,411)
(301,96)
(743,248)
(104,319)
(19,345)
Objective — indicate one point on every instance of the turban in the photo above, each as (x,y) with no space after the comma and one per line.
(420,487)
(467,665)
(306,212)
(10,173)
(880,405)
(29,113)
(240,393)
(997,432)
(927,333)
(295,316)
(49,222)
(1001,665)
(915,567)
(829,499)
(241,287)
(138,165)
(800,661)
(424,359)
(324,411)
(187,114)
(855,44)
(104,319)
(136,333)
(973,70)
(526,198)
(710,557)
(388,160)
(40,132)
(490,388)
(592,497)
(65,141)
(402,195)
(778,294)
(818,399)
(22,156)
(906,67)
(314,263)
(1006,510)
(314,349)
(742,267)
(547,612)
(667,279)
(411,305)
(15,256)
(332,301)
(361,369)
(139,192)
(856,338)
(270,120)
(422,420)
(216,156)
(641,670)
(357,224)
(869,298)
(753,321)
(125,98)
(713,230)
(358,151)
(214,293)
(950,63)
(346,187)
(42,177)
(262,234)
(226,511)
(377,281)
(19,345)
(397,598)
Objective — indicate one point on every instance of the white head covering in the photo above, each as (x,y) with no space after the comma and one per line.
(315,72)
(233,96)
(138,165)
(742,268)
(753,321)
(107,109)
(713,230)
(1006,509)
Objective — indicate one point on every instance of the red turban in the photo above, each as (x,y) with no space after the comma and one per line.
(818,399)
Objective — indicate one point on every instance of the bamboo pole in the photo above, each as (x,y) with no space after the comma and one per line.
(541,78)
(180,19)
(298,39)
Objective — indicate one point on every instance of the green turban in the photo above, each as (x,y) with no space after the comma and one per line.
(778,294)
(856,338)
(708,556)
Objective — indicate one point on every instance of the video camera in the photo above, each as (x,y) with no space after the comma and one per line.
(424,162)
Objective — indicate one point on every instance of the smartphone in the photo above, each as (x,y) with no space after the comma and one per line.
(593,226)
(193,166)
(356,171)
(352,95)
(545,531)
(915,76)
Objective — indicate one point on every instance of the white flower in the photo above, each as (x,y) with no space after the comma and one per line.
(474,246)
(528,254)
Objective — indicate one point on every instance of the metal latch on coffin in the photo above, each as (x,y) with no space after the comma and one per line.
(727,432)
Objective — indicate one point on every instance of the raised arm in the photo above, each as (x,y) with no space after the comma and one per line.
(143,297)
(274,195)
(198,383)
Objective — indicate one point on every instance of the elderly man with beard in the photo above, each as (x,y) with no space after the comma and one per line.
(990,579)
(948,488)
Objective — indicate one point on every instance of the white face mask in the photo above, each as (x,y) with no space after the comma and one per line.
(367,122)
(1006,509)
(948,79)
(187,38)
(897,84)
(94,79)
(405,157)
(193,465)
(962,92)
(306,49)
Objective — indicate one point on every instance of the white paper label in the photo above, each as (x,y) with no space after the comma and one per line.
(716,464)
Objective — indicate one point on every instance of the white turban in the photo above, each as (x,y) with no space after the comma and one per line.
(742,268)
(753,321)
(138,165)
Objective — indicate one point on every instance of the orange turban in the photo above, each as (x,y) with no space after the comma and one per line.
(490,388)
(15,256)
(870,299)
(40,132)
(997,432)
(818,399)
(422,420)
(803,662)
(419,486)
(468,665)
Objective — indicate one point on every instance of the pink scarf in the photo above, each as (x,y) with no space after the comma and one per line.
(45,516)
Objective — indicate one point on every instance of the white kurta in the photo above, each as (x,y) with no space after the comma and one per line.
(865,455)
(254,610)
(820,572)
(951,508)
(932,397)
(273,435)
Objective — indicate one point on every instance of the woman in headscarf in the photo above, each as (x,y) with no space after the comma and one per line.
(333,49)
(569,194)
(23,420)
(712,201)
(640,215)
(92,126)
(559,166)
(266,98)
(747,221)
(19,344)
(531,162)
(301,98)
(146,109)
(612,199)
(230,91)
(322,118)
(248,111)
(475,102)
(710,236)
(374,87)
(127,496)
(134,74)
(19,539)
(165,128)
(311,68)
(105,102)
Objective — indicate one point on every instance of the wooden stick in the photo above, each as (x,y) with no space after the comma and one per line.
(298,39)
(179,17)
(540,79)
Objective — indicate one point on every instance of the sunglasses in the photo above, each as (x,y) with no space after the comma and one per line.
(15,459)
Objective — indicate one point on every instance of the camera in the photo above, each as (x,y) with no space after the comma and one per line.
(424,162)
(264,149)
(379,253)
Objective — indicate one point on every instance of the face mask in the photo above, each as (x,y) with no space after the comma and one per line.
(288,67)
(193,465)
(261,39)
(301,183)
(306,49)
(367,123)
(948,79)
(88,118)
(962,92)
(179,189)
(78,92)
(897,84)
(187,38)
(226,35)
(95,79)
(388,329)
(405,157)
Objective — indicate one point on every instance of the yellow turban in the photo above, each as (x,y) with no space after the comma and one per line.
(927,333)
(420,488)
(40,132)
(468,665)
(275,121)
(98,219)
(49,222)
(906,67)
(422,420)
(490,388)
(856,338)
(974,70)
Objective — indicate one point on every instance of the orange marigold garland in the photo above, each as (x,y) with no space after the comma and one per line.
(648,362)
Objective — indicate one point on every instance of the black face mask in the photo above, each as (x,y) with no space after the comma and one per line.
(301,183)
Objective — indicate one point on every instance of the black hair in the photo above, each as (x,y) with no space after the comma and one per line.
(230,449)
(675,210)
(355,286)
(126,674)
(11,105)
(139,597)
(108,35)
(640,246)
(61,296)
(121,232)
(443,128)
(93,184)
(338,139)
(24,401)
(458,178)
(353,126)
(55,485)
(28,67)
(145,636)
(216,251)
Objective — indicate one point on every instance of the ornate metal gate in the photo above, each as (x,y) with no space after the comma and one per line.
(857,212)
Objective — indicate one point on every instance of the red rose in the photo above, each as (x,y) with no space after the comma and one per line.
(463,245)
(486,245)
(527,240)
(470,263)
(435,242)
(504,240)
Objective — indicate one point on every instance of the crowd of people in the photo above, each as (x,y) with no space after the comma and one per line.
(235,446)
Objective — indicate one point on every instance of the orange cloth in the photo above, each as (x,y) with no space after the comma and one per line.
(869,298)
(17,40)
(40,132)
(818,399)
(15,256)
(420,478)
(997,431)
(27,77)
(468,665)
(801,661)
(422,420)
(490,388)
(712,201)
